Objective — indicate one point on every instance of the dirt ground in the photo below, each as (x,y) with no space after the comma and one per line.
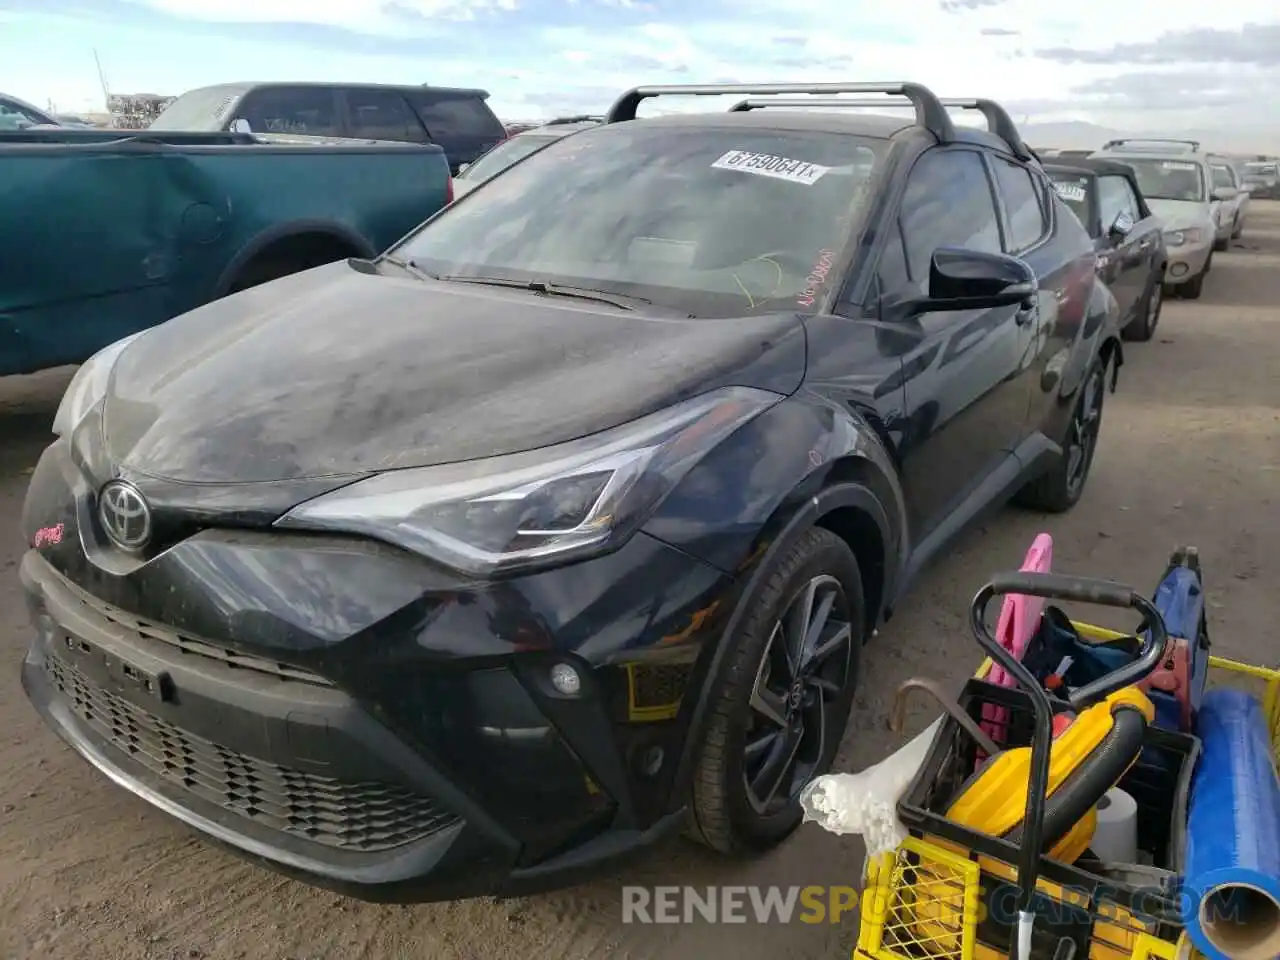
(1190,453)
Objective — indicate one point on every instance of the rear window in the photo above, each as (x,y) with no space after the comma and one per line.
(456,116)
(504,155)
(1074,191)
(720,222)
(208,108)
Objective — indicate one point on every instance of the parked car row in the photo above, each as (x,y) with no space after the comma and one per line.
(1198,198)
(561,525)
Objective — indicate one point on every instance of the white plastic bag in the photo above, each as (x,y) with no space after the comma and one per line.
(866,803)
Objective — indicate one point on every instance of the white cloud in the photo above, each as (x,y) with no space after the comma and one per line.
(536,65)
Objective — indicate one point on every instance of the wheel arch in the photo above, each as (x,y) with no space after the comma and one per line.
(298,235)
(846,504)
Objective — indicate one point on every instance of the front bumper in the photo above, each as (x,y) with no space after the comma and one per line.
(349,715)
(1187,261)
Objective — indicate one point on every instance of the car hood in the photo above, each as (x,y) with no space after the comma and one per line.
(1181,214)
(340,371)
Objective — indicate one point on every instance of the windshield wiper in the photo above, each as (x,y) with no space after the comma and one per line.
(551,289)
(409,267)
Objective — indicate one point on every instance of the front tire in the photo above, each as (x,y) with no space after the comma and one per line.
(1061,488)
(1192,289)
(782,699)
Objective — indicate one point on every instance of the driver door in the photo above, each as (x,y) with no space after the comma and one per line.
(965,400)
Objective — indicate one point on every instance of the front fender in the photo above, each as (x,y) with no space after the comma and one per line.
(734,504)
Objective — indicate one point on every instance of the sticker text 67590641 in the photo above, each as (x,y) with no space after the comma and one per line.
(768,165)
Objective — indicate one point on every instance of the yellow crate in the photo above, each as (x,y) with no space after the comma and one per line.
(922,901)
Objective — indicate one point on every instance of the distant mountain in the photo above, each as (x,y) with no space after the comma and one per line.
(1079,135)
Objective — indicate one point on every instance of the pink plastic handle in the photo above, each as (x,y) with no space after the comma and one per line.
(1019,620)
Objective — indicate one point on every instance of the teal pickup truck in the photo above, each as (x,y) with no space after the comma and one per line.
(107,232)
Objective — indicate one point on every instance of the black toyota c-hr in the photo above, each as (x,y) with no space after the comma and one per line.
(562,524)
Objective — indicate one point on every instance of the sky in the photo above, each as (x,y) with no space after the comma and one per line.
(1135,65)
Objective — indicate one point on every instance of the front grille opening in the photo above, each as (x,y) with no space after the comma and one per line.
(356,816)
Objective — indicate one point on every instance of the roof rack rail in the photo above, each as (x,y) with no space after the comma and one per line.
(930,113)
(1194,145)
(998,121)
(579,118)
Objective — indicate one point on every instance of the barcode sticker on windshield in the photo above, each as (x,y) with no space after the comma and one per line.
(1072,192)
(1178,165)
(767,165)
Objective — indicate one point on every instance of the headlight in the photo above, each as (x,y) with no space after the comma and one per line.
(88,386)
(540,507)
(1176,238)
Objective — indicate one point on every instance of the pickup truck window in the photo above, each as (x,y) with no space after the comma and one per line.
(306,111)
(381,114)
(723,221)
(14,117)
(1223,176)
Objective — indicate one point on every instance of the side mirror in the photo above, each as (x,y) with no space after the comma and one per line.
(1122,226)
(961,279)
(241,125)
(1225,193)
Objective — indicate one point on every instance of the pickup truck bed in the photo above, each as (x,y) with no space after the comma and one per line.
(107,232)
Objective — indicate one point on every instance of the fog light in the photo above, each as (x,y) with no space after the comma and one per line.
(1178,269)
(566,680)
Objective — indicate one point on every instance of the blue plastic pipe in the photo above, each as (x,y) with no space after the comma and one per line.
(1231,896)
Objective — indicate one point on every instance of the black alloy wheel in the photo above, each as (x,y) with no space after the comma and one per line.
(1086,424)
(804,670)
(781,697)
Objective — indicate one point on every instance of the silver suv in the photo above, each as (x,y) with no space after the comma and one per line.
(1177,181)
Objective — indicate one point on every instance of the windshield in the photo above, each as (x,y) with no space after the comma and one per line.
(15,117)
(207,108)
(712,222)
(1261,170)
(1168,179)
(1074,191)
(504,155)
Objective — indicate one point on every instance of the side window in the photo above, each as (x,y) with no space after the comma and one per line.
(1114,198)
(306,111)
(382,115)
(1223,177)
(456,116)
(1130,199)
(1022,203)
(948,203)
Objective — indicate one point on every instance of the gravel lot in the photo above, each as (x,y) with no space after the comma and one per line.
(1190,453)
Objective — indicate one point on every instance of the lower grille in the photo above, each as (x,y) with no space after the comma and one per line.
(349,816)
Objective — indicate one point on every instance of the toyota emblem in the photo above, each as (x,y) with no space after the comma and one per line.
(125,516)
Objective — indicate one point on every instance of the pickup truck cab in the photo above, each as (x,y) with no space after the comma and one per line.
(456,119)
(122,230)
